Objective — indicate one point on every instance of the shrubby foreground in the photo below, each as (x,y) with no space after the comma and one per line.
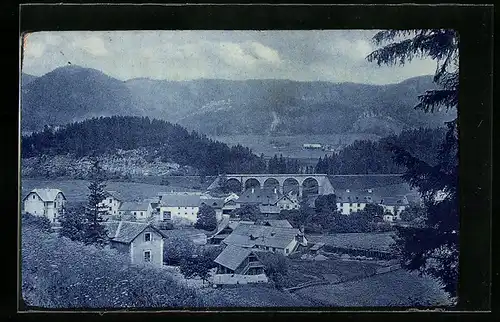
(60,273)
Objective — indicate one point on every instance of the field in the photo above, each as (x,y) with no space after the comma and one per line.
(76,190)
(252,296)
(397,288)
(301,271)
(368,241)
(291,146)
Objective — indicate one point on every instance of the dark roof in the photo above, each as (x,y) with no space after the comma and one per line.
(278,223)
(248,235)
(46,194)
(317,246)
(354,196)
(180,200)
(258,196)
(190,233)
(126,231)
(213,202)
(135,206)
(232,256)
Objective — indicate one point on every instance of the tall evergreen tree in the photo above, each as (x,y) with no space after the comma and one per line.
(95,231)
(435,248)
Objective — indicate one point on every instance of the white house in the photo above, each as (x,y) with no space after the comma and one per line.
(141,211)
(143,242)
(179,208)
(112,202)
(351,201)
(45,202)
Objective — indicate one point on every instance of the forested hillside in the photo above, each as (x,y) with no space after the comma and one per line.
(172,143)
(374,157)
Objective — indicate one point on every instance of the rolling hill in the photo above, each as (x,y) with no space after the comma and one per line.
(72,93)
(226,107)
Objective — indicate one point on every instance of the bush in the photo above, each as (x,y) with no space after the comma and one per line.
(176,249)
(39,222)
(59,273)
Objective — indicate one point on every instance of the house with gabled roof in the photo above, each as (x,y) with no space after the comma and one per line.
(275,239)
(140,211)
(224,228)
(239,265)
(216,203)
(45,202)
(143,242)
(179,208)
(112,202)
(269,200)
(350,201)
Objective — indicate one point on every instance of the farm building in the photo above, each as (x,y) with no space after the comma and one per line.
(269,201)
(180,208)
(224,228)
(45,202)
(142,241)
(141,211)
(238,265)
(313,146)
(275,239)
(349,201)
(112,202)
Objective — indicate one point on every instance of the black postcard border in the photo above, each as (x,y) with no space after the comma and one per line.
(474,24)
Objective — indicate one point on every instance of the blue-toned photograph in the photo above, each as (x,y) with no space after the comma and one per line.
(213,169)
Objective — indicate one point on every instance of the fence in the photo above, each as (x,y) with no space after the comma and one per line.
(239,279)
(360,252)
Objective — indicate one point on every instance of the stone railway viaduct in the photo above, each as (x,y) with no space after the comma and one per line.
(279,180)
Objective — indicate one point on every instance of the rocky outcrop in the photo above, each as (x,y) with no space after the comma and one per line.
(139,162)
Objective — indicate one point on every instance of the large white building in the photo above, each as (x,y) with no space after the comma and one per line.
(351,201)
(45,202)
(179,208)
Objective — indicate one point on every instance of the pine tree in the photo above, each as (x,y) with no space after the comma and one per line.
(73,223)
(433,249)
(95,231)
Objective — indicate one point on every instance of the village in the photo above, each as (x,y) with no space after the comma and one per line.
(141,228)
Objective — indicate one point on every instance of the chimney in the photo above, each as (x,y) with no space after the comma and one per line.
(253,190)
(275,190)
(370,190)
(347,190)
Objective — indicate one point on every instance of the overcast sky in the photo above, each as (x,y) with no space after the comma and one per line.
(333,55)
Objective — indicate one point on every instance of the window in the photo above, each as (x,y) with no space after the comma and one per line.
(110,201)
(286,250)
(147,237)
(135,213)
(359,205)
(274,249)
(142,213)
(33,196)
(147,256)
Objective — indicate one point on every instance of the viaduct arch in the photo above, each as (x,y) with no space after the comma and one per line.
(278,181)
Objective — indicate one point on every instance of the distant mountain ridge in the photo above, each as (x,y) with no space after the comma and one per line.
(226,107)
